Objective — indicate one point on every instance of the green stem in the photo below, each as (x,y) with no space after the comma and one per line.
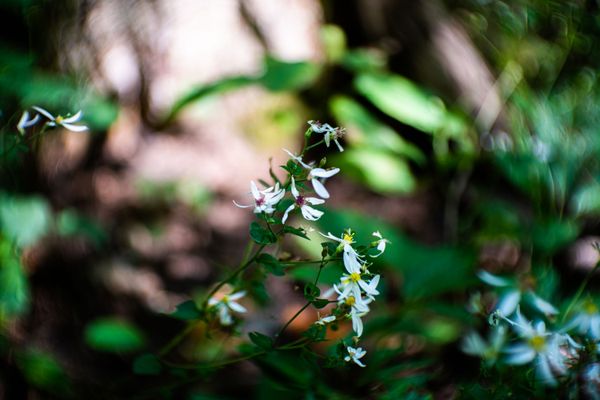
(176,340)
(580,291)
(291,320)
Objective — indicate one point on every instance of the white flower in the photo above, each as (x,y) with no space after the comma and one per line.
(352,261)
(225,303)
(315,174)
(475,345)
(587,321)
(353,283)
(330,132)
(358,309)
(325,320)
(380,244)
(65,122)
(355,355)
(512,294)
(25,122)
(542,347)
(591,381)
(264,200)
(309,213)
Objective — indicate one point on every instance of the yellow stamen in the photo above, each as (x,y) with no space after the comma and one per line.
(538,343)
(59,119)
(350,300)
(590,308)
(355,277)
(348,237)
(225,299)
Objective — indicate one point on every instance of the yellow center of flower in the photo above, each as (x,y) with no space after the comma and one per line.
(590,308)
(225,299)
(538,343)
(355,277)
(348,237)
(350,300)
(59,119)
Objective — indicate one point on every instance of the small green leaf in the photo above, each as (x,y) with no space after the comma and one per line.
(271,264)
(24,219)
(320,303)
(262,341)
(281,75)
(42,370)
(113,335)
(186,311)
(311,291)
(295,231)
(261,235)
(147,364)
(14,288)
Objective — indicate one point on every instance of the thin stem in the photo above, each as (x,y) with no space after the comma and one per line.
(291,320)
(176,340)
(313,145)
(580,291)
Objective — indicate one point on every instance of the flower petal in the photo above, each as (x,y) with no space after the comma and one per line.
(319,188)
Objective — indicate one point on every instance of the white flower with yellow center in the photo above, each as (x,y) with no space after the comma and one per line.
(315,175)
(380,244)
(226,303)
(322,321)
(25,122)
(355,355)
(264,200)
(354,284)
(304,204)
(587,321)
(65,122)
(352,261)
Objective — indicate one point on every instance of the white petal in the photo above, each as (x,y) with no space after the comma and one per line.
(473,344)
(542,305)
(310,213)
(521,357)
(493,280)
(75,128)
(237,295)
(43,112)
(320,188)
(339,146)
(254,190)
(377,235)
(508,302)
(324,173)
(236,307)
(351,263)
(73,118)
(595,327)
(241,205)
(295,192)
(285,214)
(544,372)
(314,200)
(357,325)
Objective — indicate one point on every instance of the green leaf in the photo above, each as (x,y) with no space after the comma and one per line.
(24,219)
(311,291)
(14,288)
(551,235)
(113,335)
(261,235)
(262,341)
(320,303)
(147,364)
(282,76)
(186,311)
(70,223)
(380,170)
(42,370)
(365,130)
(271,264)
(295,231)
(400,98)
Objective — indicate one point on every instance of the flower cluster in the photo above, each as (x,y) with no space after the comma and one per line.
(67,122)
(516,340)
(357,286)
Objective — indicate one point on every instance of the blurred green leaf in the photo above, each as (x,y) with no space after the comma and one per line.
(70,223)
(261,235)
(271,264)
(364,60)
(379,170)
(262,341)
(280,75)
(586,200)
(113,335)
(186,311)
(334,42)
(551,235)
(366,131)
(402,99)
(147,364)
(43,371)
(300,232)
(24,219)
(14,288)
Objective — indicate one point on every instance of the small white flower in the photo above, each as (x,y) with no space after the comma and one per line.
(380,244)
(352,261)
(25,122)
(541,346)
(325,320)
(224,303)
(475,345)
(353,284)
(304,203)
(355,355)
(587,321)
(511,294)
(315,174)
(264,200)
(65,122)
(330,133)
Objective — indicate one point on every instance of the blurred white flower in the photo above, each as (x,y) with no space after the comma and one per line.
(65,122)
(264,200)
(355,355)
(591,381)
(25,122)
(330,133)
(315,174)
(511,295)
(380,244)
(352,261)
(224,303)
(304,203)
(475,345)
(587,321)
(325,320)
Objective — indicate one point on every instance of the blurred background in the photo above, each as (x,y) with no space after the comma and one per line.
(472,141)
